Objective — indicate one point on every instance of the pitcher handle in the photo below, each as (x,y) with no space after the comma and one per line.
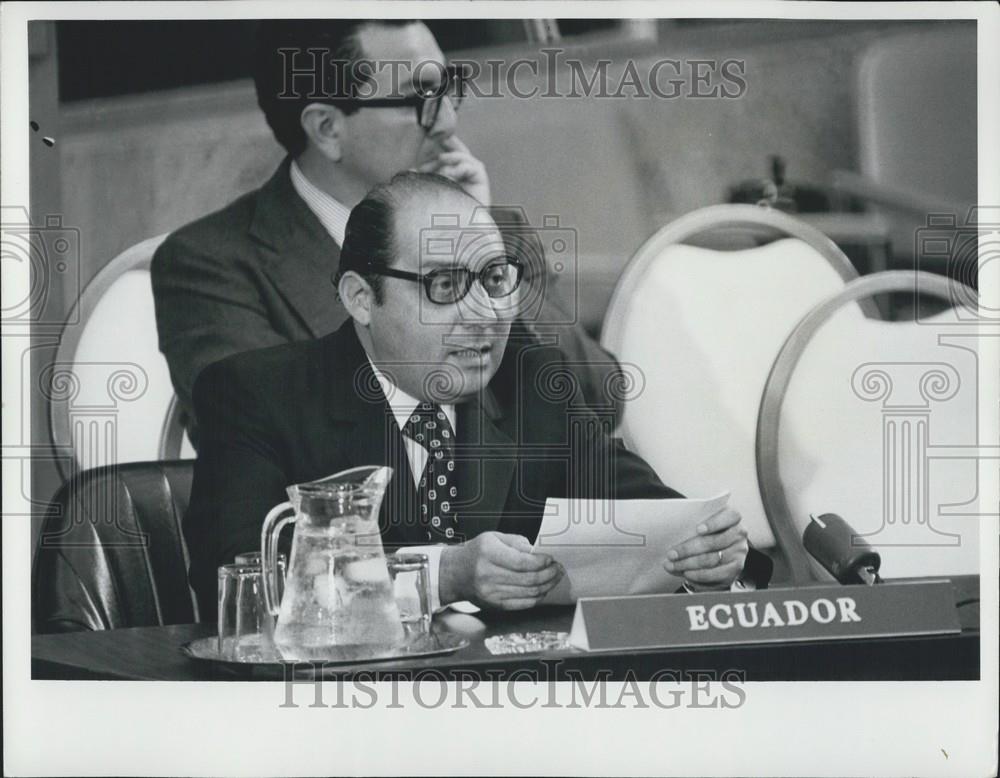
(269,553)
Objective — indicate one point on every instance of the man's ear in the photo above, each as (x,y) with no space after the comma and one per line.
(323,126)
(357,296)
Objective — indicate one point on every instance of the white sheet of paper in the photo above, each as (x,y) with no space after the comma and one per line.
(617,547)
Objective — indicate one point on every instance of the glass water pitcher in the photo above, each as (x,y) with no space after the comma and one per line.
(337,587)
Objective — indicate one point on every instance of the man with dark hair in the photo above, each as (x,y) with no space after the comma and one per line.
(258,272)
(434,377)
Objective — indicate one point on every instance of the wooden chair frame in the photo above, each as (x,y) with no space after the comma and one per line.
(772,489)
(712,218)
(137,257)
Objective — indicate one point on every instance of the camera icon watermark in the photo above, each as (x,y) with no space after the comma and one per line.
(545,256)
(87,400)
(550,253)
(50,253)
(961,250)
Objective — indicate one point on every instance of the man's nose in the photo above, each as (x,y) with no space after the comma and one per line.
(446,121)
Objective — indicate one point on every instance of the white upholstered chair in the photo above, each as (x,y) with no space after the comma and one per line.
(701,328)
(877,421)
(110,396)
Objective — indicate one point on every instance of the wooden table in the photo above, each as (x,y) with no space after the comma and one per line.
(153,654)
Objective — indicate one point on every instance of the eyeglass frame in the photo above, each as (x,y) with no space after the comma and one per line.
(453,75)
(428,278)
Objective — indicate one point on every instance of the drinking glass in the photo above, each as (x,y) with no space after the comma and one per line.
(252,558)
(246,629)
(410,574)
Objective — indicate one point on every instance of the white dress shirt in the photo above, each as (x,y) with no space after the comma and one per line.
(332,213)
(403,405)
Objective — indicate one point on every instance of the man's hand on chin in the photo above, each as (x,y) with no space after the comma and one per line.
(714,558)
(456,162)
(496,570)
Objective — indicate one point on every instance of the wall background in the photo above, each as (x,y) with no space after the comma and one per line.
(615,170)
(125,168)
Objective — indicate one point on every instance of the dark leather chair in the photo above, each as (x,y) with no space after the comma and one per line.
(111,552)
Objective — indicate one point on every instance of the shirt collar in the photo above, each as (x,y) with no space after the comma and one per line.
(403,404)
(332,213)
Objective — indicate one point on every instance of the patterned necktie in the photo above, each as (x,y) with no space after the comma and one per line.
(429,426)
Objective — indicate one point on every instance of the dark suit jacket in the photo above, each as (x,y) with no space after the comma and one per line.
(260,272)
(302,411)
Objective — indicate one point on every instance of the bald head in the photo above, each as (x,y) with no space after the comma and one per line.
(372,237)
(425,276)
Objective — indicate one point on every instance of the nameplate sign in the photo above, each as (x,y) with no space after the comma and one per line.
(768,616)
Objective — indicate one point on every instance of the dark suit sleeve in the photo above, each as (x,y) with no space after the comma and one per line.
(552,412)
(634,479)
(207,309)
(238,476)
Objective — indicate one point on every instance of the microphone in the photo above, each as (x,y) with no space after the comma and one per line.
(843,553)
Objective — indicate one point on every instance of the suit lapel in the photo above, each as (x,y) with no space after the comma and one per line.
(377,439)
(299,256)
(485,458)
(355,398)
(485,455)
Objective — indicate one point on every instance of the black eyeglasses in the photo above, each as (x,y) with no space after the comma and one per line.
(428,101)
(449,285)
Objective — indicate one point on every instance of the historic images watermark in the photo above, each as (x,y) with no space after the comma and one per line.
(46,254)
(929,418)
(315,74)
(537,262)
(82,399)
(50,252)
(547,686)
(961,247)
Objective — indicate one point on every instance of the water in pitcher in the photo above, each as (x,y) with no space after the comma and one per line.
(340,596)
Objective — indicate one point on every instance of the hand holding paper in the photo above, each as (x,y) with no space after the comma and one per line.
(617,547)
(715,557)
(498,570)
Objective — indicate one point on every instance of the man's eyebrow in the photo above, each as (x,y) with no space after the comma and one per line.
(426,80)
(446,264)
(430,262)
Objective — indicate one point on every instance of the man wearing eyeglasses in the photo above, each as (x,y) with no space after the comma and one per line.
(433,376)
(353,102)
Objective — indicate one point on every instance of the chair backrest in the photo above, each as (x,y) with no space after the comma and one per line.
(917,134)
(917,112)
(877,421)
(110,395)
(111,553)
(703,327)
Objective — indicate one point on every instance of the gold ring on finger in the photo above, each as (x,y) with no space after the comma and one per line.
(720,559)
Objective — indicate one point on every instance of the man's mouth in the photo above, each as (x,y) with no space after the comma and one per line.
(473,352)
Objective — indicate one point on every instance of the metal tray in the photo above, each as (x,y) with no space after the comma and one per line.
(434,644)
